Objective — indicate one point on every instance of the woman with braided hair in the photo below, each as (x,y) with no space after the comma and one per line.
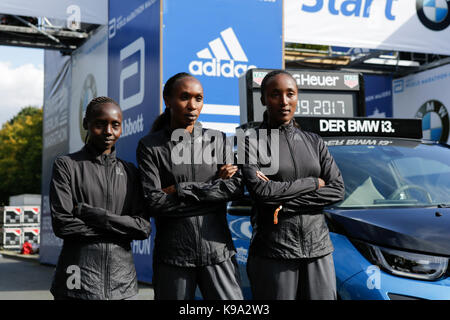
(95,203)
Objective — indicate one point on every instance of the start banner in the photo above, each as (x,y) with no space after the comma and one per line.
(406,25)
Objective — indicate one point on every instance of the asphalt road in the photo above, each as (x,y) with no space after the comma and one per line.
(27,279)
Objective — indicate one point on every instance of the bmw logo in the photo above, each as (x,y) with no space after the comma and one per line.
(240,227)
(435,121)
(88,92)
(434,14)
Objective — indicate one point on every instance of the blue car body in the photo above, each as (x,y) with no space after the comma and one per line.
(408,224)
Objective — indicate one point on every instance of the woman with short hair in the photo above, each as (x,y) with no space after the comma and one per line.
(193,245)
(290,255)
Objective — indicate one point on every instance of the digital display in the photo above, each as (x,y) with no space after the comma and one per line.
(326,104)
(321,94)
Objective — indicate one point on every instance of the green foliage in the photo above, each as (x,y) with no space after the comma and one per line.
(21,154)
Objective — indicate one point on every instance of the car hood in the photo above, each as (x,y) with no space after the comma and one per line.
(424,230)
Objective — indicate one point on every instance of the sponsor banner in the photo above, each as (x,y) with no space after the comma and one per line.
(89,80)
(370,141)
(219,54)
(378,91)
(86,11)
(134,82)
(423,95)
(57,87)
(134,68)
(346,81)
(416,26)
(329,127)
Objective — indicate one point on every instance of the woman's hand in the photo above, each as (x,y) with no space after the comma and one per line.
(262,176)
(321,184)
(227,171)
(169,190)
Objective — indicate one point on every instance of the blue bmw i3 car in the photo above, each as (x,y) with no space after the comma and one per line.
(391,233)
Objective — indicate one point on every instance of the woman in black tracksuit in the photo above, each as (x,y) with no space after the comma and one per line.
(290,255)
(187,195)
(95,202)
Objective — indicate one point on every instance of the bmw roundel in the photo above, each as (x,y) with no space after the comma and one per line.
(435,120)
(434,14)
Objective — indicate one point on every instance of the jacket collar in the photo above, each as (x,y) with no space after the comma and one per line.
(287,127)
(98,157)
(197,131)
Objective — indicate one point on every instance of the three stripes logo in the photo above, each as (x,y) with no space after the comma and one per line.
(223,58)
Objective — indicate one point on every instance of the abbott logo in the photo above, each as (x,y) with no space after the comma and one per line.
(131,70)
(220,51)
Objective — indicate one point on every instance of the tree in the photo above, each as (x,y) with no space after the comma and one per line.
(21,154)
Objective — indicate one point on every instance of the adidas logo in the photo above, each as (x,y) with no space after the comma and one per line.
(224,48)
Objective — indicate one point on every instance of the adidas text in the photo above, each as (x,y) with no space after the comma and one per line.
(217,68)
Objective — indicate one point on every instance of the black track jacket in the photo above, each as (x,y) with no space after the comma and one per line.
(191,224)
(301,231)
(96,207)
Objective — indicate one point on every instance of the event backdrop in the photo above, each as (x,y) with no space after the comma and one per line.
(425,95)
(57,88)
(403,25)
(223,39)
(378,91)
(89,80)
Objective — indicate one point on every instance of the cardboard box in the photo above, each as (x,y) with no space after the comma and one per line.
(31,214)
(11,237)
(31,234)
(10,215)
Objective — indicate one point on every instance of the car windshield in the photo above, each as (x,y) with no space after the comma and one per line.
(393,173)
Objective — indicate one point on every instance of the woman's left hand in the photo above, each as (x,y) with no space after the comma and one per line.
(169,190)
(262,176)
(227,171)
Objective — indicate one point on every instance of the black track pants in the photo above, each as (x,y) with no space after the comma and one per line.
(216,282)
(284,279)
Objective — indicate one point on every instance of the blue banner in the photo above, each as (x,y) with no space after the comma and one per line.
(220,42)
(378,90)
(57,91)
(134,68)
(134,82)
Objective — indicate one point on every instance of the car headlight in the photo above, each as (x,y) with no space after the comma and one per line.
(403,263)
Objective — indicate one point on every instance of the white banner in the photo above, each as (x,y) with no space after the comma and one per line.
(88,11)
(425,95)
(403,25)
(89,80)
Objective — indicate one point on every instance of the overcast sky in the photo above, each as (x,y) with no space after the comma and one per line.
(21,80)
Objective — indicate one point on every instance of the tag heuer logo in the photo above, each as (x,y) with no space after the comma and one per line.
(351,80)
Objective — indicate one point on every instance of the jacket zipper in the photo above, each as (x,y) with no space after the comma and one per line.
(106,284)
(300,220)
(197,218)
(292,153)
